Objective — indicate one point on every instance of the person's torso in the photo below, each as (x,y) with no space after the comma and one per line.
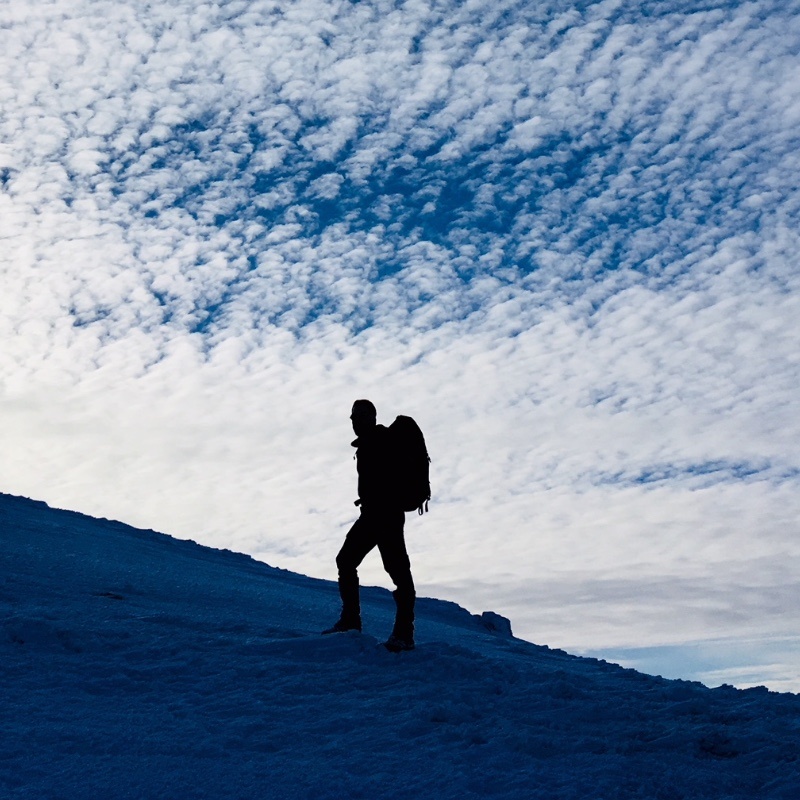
(374,464)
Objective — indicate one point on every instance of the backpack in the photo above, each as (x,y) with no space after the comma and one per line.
(411,461)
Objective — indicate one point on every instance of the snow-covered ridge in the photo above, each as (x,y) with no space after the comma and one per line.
(135,665)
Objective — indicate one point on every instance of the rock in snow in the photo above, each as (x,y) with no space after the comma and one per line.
(135,665)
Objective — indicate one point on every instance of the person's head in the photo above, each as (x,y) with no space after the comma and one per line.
(363,416)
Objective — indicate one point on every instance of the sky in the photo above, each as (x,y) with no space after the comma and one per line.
(562,236)
(134,664)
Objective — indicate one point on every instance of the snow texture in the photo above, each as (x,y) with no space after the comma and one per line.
(135,665)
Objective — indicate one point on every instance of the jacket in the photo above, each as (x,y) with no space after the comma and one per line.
(376,484)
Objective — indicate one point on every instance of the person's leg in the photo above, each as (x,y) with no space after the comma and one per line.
(358,542)
(392,546)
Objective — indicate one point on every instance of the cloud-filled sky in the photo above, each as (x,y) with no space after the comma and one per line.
(563,236)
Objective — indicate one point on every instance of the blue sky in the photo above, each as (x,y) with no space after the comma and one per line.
(562,236)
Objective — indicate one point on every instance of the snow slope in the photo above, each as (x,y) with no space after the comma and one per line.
(134,665)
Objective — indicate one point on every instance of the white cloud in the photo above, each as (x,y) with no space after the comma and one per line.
(565,240)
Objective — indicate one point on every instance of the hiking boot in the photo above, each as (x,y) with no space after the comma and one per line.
(397,644)
(343,625)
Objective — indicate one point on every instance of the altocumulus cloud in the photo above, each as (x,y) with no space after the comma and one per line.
(562,235)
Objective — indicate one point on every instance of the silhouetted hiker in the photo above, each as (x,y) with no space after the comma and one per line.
(380,525)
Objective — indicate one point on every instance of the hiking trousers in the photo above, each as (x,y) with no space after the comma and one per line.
(383,529)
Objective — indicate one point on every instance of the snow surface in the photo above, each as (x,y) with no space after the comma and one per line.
(135,665)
